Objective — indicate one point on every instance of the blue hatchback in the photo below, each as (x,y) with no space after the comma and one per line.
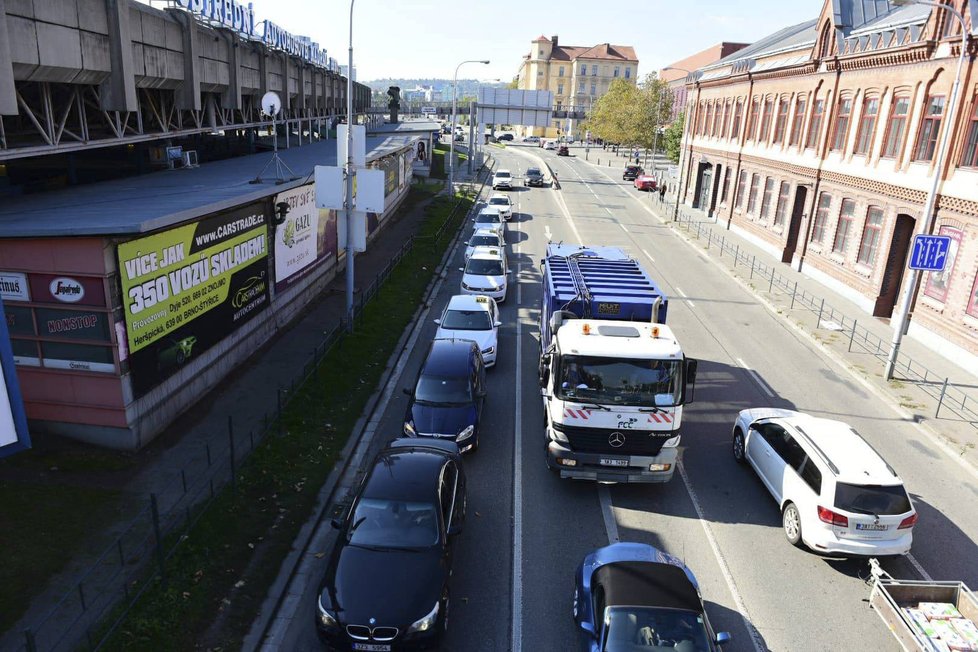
(449,394)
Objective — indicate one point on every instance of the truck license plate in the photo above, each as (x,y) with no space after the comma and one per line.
(610,462)
(870,526)
(371,647)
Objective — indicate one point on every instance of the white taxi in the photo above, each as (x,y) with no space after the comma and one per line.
(490,218)
(503,204)
(483,238)
(475,318)
(485,272)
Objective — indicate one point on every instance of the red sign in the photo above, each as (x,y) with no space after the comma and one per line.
(67,289)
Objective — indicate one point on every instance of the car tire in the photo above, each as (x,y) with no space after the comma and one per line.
(738,447)
(791,524)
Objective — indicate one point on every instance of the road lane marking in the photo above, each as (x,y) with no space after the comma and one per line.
(755,637)
(649,255)
(608,514)
(682,294)
(757,378)
(547,234)
(920,569)
(623,227)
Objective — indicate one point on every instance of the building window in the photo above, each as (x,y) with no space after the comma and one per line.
(871,236)
(867,125)
(897,122)
(715,125)
(580,86)
(929,127)
(617,70)
(782,121)
(797,122)
(701,119)
(755,181)
(726,186)
(726,120)
(741,184)
(973,301)
(938,283)
(738,111)
(709,119)
(583,70)
(766,199)
(752,120)
(762,136)
(560,71)
(842,228)
(560,88)
(841,124)
(594,70)
(782,209)
(628,73)
(970,158)
(821,217)
(818,110)
(594,88)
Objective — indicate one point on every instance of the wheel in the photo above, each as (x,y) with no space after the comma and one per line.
(738,446)
(791,522)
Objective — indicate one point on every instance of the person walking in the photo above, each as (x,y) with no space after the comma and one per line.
(662,192)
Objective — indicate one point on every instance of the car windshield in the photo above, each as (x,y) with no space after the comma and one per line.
(466,320)
(880,500)
(393,524)
(632,629)
(487,218)
(499,201)
(484,241)
(533,172)
(633,168)
(443,390)
(645,383)
(484,267)
(503,174)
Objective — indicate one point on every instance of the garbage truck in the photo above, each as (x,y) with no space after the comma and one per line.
(613,376)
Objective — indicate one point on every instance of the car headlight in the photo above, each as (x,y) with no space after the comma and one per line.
(409,429)
(326,618)
(465,287)
(426,623)
(672,442)
(488,351)
(466,433)
(559,436)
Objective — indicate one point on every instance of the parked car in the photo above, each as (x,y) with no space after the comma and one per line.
(502,137)
(472,317)
(459,136)
(448,395)
(836,494)
(486,272)
(550,145)
(533,177)
(483,237)
(502,179)
(631,596)
(386,583)
(531,139)
(489,218)
(563,151)
(503,204)
(632,172)
(646,182)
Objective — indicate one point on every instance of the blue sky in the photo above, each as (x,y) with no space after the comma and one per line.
(422,38)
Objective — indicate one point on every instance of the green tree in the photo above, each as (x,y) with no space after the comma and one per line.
(613,116)
(674,137)
(653,111)
(515,84)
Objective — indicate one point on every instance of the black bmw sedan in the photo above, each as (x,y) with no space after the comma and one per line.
(386,584)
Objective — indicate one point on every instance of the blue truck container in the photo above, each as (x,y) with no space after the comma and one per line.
(597,283)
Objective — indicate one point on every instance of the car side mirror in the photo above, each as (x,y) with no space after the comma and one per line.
(544,393)
(497,324)
(589,628)
(461,269)
(336,523)
(723,637)
(691,365)
(407,391)
(437,321)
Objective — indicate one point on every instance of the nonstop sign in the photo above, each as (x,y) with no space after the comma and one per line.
(187,288)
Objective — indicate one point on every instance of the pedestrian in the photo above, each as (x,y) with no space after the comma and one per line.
(662,192)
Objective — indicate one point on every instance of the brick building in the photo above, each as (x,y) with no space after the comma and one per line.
(820,141)
(676,79)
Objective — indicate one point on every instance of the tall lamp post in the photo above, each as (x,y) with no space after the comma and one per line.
(682,148)
(928,213)
(451,147)
(350,172)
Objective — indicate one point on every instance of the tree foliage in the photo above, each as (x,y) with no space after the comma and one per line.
(673,137)
(515,84)
(631,115)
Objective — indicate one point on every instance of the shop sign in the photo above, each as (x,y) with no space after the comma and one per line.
(13,287)
(80,290)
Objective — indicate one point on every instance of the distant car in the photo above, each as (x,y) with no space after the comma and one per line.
(550,145)
(836,494)
(645,182)
(472,317)
(633,597)
(504,137)
(403,522)
(459,136)
(489,218)
(503,204)
(632,172)
(448,395)
(563,151)
(486,272)
(502,179)
(569,140)
(531,139)
(483,237)
(533,177)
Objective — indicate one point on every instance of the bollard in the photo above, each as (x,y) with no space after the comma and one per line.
(793,295)
(852,335)
(154,507)
(234,481)
(940,401)
(736,256)
(770,286)
(753,261)
(31,643)
(818,324)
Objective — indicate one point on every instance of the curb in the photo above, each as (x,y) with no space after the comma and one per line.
(261,633)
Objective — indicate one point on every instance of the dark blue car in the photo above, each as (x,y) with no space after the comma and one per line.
(448,395)
(631,597)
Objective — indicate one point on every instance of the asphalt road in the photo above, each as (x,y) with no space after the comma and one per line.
(527,530)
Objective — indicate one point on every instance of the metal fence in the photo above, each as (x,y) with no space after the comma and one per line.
(127,567)
(961,399)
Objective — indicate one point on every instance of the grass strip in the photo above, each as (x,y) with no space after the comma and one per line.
(224,567)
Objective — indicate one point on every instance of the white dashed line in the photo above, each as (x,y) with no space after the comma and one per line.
(547,234)
(623,227)
(681,293)
(757,378)
(648,255)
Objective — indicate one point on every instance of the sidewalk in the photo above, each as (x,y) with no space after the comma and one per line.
(184,452)
(928,388)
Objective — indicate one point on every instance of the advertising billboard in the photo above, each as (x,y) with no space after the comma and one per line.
(306,239)
(187,288)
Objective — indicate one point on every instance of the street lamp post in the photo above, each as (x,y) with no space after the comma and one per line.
(451,147)
(350,172)
(940,163)
(682,149)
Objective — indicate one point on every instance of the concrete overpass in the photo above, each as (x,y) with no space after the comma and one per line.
(444,110)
